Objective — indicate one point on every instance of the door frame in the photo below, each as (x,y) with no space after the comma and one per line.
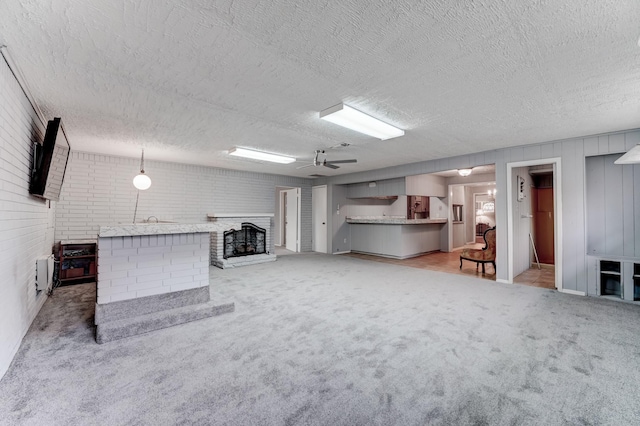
(557,216)
(314,205)
(283,229)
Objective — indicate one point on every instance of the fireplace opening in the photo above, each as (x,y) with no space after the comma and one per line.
(249,240)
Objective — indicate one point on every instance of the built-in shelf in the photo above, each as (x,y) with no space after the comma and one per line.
(611,279)
(77,263)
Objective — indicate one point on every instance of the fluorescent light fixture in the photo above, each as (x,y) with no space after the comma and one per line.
(631,157)
(464,172)
(345,116)
(259,155)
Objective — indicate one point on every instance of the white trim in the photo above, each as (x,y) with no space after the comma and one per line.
(500,280)
(557,207)
(574,292)
(240,215)
(342,252)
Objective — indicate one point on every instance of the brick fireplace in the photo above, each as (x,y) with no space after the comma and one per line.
(246,253)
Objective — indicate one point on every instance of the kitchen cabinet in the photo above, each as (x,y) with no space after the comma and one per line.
(387,188)
(426,185)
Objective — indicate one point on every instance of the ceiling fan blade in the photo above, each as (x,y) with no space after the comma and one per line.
(342,161)
(305,166)
(329,165)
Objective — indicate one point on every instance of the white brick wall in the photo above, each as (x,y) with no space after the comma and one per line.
(98,190)
(138,266)
(26,222)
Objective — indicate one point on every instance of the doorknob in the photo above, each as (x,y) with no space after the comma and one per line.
(323,223)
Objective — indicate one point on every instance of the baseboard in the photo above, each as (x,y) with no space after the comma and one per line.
(574,292)
(499,280)
(342,252)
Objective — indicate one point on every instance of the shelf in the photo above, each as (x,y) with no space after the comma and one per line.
(82,256)
(78,277)
(77,263)
(611,273)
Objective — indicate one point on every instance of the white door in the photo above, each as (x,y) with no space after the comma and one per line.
(291,219)
(319,218)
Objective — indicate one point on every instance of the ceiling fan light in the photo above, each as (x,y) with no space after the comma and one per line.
(345,116)
(464,172)
(260,155)
(631,157)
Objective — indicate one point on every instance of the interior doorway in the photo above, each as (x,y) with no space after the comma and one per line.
(287,218)
(534,225)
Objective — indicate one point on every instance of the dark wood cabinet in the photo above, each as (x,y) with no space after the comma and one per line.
(77,263)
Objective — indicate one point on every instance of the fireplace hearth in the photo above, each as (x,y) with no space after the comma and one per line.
(247,241)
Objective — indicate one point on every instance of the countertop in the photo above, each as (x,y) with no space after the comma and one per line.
(393,220)
(165,228)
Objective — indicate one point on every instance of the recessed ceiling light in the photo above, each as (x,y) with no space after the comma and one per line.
(345,116)
(260,155)
(631,157)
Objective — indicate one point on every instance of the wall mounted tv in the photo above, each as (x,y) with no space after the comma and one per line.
(50,162)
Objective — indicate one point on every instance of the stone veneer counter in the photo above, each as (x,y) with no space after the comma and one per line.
(164,228)
(391,220)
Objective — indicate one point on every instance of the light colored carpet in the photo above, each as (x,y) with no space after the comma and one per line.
(330,340)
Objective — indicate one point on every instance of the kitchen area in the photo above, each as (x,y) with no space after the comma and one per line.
(398,218)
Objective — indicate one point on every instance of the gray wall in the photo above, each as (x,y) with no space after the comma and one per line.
(613,197)
(572,154)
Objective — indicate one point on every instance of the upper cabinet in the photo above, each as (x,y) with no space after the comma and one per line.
(379,189)
(426,185)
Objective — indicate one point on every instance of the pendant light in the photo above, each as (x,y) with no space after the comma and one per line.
(142,181)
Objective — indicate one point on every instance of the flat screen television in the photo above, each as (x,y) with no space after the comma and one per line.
(50,162)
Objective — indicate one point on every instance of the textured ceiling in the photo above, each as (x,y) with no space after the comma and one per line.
(187,80)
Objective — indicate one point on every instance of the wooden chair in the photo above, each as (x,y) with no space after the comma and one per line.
(485,255)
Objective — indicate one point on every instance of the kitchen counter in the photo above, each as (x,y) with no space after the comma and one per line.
(395,236)
(393,220)
(152,228)
(154,275)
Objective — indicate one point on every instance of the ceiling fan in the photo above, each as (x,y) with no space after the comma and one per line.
(325,163)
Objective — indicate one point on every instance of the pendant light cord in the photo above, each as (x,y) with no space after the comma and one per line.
(135,212)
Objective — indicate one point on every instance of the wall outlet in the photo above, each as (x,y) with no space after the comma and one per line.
(345,241)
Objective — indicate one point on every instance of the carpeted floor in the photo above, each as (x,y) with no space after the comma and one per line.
(332,340)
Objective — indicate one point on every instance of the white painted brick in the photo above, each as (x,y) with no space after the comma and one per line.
(185,286)
(123,296)
(152,291)
(184,273)
(116,243)
(142,286)
(181,260)
(112,275)
(143,259)
(201,277)
(152,277)
(108,291)
(178,267)
(177,280)
(145,271)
